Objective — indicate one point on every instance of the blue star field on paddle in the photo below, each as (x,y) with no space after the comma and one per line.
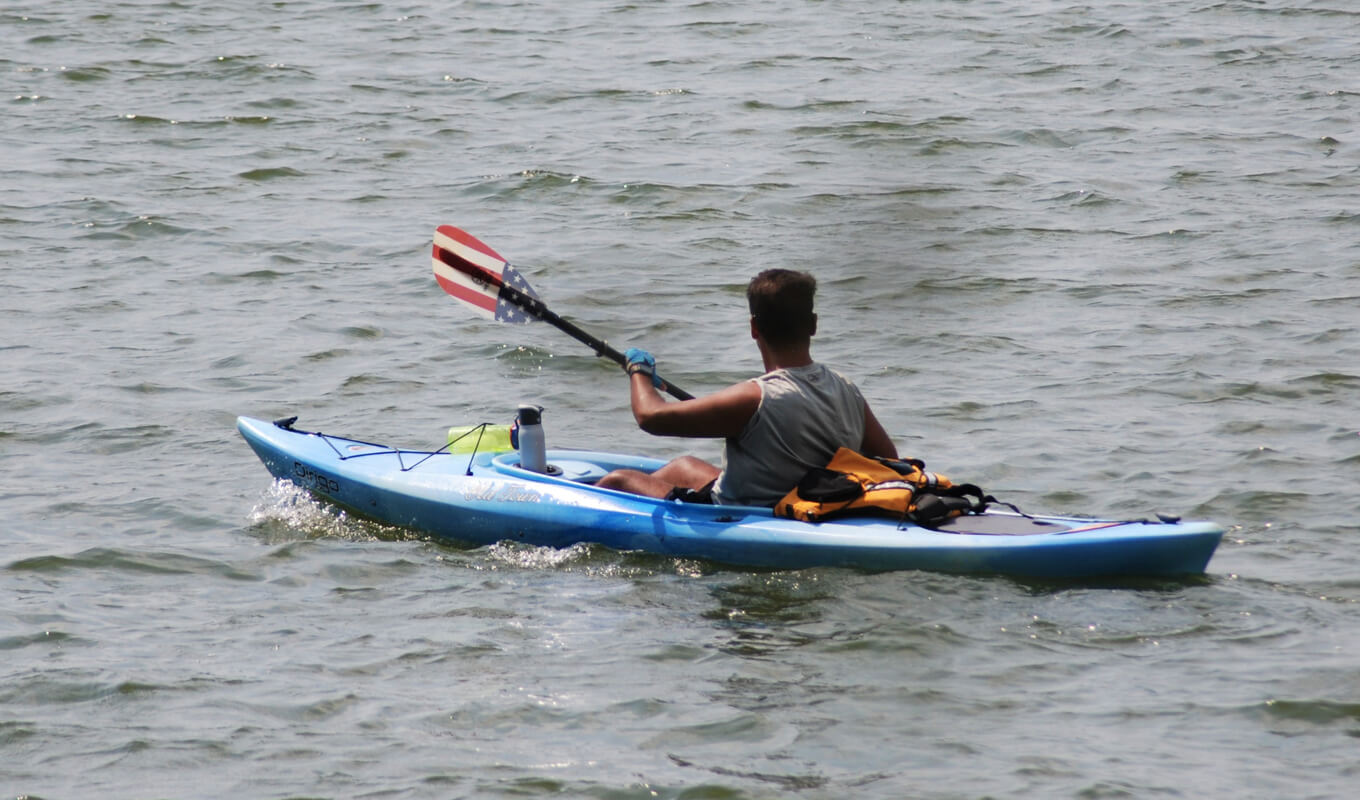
(507,311)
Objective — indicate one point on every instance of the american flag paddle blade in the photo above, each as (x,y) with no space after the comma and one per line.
(472,272)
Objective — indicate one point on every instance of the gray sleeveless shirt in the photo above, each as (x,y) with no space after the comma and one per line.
(805,414)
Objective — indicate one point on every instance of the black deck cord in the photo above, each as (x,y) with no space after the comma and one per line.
(287,424)
(984,499)
(990,500)
(481,429)
(965,491)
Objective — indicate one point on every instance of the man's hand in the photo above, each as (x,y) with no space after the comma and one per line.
(640,360)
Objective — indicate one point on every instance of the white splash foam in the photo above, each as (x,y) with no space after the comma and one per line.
(286,505)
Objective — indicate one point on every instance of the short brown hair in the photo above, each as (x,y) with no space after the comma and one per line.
(781,305)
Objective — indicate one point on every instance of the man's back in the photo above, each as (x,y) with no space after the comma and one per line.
(806,413)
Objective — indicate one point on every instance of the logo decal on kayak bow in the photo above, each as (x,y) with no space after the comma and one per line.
(308,478)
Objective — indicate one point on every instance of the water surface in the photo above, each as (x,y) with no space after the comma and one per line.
(1098,259)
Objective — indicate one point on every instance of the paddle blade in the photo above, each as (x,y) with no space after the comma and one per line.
(470,271)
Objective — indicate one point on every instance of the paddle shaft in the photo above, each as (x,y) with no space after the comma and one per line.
(539,310)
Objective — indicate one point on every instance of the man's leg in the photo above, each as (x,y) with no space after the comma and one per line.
(686,471)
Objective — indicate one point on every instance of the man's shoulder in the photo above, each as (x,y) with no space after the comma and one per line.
(742,389)
(814,372)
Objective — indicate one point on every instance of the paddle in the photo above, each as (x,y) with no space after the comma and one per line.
(470,271)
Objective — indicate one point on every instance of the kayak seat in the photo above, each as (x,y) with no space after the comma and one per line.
(578,471)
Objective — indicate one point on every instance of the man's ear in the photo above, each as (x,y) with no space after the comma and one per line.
(813,328)
(755,334)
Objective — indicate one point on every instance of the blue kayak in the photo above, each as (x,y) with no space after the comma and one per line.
(486,497)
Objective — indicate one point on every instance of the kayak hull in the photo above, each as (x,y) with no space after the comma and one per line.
(484,498)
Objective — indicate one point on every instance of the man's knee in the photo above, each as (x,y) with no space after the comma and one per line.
(689,472)
(619,479)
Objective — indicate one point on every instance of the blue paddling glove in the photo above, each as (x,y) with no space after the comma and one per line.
(640,360)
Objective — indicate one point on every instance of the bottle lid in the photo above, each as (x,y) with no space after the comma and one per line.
(530,414)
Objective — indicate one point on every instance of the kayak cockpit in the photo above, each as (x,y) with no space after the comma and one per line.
(573,466)
(583,468)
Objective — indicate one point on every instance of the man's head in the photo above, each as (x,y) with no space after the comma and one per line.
(781,306)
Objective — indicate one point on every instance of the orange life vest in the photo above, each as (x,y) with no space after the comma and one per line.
(852,483)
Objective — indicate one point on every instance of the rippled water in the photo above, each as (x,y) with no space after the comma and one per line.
(1101,259)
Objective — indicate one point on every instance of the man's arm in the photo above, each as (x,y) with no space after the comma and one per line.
(721,414)
(876,442)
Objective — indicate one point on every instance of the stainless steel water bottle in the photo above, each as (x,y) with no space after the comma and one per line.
(532,448)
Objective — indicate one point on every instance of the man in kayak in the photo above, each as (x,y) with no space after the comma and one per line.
(777,426)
